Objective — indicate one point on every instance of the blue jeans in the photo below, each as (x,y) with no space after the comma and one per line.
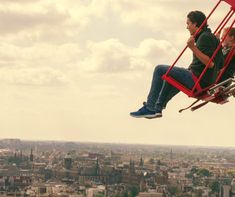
(161,91)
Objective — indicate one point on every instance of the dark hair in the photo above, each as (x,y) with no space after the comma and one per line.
(231,32)
(197,17)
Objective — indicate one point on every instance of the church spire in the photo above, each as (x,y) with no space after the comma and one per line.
(141,164)
(31,155)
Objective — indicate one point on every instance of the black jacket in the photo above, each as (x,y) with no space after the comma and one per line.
(207,43)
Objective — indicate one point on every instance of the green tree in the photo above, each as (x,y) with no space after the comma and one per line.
(215,186)
(126,194)
(159,162)
(134,191)
(204,172)
(173,190)
(151,161)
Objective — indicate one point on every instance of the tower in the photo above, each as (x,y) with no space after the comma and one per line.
(171,155)
(132,167)
(97,167)
(31,155)
(68,161)
(141,164)
(21,155)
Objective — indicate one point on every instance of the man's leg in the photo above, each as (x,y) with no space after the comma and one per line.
(183,76)
(156,86)
(148,110)
(169,91)
(161,92)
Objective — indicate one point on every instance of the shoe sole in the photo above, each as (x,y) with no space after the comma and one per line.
(158,116)
(148,116)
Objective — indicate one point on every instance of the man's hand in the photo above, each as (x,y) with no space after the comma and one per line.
(191,42)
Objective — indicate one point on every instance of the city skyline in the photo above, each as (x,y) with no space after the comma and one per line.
(30,168)
(73,70)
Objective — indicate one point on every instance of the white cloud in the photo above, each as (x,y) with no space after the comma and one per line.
(39,55)
(108,56)
(156,51)
(147,13)
(33,77)
(17,19)
(49,21)
(42,64)
(17,2)
(112,56)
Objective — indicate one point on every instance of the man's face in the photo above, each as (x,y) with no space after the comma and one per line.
(229,40)
(192,28)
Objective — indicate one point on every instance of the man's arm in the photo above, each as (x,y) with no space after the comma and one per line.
(201,56)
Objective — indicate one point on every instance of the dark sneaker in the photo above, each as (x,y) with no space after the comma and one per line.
(158,114)
(145,113)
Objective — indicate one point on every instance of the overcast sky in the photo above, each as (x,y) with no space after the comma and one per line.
(73,70)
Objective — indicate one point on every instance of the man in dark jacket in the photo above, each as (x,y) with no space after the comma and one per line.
(202,46)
